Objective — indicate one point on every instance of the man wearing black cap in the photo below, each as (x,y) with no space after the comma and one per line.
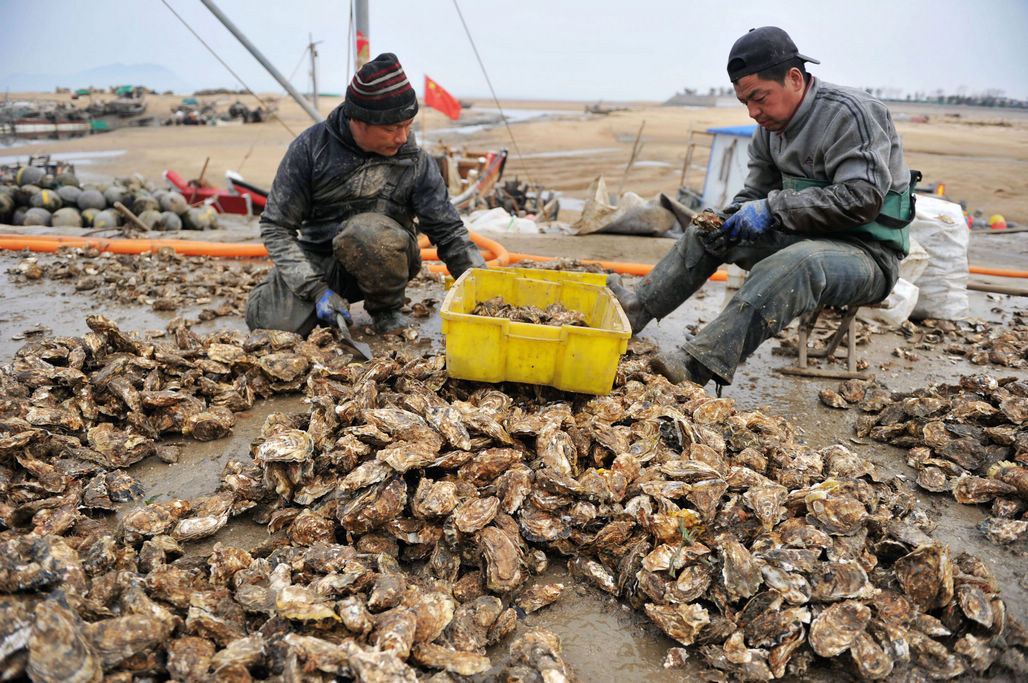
(821,220)
(340,220)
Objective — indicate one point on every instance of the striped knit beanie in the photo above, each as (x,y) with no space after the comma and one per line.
(380,93)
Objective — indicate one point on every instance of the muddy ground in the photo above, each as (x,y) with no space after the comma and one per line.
(602,639)
(980,155)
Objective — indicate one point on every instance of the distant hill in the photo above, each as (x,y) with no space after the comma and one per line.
(153,76)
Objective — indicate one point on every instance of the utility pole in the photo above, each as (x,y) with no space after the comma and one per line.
(314,70)
(300,99)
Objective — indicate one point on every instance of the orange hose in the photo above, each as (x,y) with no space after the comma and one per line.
(997,271)
(132,246)
(495,252)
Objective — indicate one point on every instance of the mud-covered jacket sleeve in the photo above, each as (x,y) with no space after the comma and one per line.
(855,150)
(288,204)
(439,220)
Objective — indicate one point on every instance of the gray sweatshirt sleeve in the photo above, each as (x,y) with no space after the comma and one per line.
(855,150)
(288,204)
(439,220)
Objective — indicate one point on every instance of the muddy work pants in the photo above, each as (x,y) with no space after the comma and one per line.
(372,259)
(789,275)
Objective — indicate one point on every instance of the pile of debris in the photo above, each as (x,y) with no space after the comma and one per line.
(410,512)
(34,194)
(194,113)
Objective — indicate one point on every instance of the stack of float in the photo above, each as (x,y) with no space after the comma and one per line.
(30,196)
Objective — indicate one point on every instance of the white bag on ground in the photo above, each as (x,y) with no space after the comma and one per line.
(940,228)
(498,220)
(896,307)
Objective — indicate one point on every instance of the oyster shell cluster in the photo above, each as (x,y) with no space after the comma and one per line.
(412,514)
(968,439)
(708,221)
(162,280)
(565,264)
(981,343)
(556,314)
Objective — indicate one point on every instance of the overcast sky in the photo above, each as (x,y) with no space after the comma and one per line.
(553,49)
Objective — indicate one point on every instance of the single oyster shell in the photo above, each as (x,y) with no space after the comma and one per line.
(115,640)
(434,612)
(739,572)
(926,576)
(832,399)
(767,503)
(681,622)
(475,514)
(839,515)
(539,596)
(833,581)
(189,658)
(835,629)
(301,604)
(1003,530)
(450,424)
(58,647)
(594,572)
(455,661)
(872,661)
(434,499)
(289,445)
(970,489)
(975,604)
(504,566)
(394,630)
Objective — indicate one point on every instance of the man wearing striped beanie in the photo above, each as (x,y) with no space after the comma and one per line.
(342,217)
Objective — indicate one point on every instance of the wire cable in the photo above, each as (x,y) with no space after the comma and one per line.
(241,82)
(496,100)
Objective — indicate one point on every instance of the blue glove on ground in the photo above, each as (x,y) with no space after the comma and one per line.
(330,305)
(751,221)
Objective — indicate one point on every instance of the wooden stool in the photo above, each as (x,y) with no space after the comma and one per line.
(847,326)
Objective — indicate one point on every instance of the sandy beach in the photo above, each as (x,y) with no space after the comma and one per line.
(980,155)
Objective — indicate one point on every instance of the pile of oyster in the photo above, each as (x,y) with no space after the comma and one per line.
(980,342)
(564,263)
(969,439)
(555,314)
(162,280)
(413,513)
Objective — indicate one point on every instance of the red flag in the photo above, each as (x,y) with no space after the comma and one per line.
(363,50)
(438,98)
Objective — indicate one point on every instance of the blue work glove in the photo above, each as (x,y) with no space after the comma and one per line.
(330,305)
(751,221)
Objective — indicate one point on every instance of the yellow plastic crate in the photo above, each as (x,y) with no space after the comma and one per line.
(582,359)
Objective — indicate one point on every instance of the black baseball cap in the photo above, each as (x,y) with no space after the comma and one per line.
(762,48)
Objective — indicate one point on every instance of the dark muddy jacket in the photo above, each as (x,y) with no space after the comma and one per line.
(325,178)
(842,136)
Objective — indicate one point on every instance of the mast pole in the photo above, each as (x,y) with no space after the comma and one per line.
(314,114)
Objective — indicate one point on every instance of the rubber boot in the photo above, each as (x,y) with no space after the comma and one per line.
(390,321)
(678,366)
(638,316)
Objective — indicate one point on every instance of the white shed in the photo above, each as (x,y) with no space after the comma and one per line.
(726,166)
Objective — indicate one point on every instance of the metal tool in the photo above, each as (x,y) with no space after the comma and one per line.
(360,347)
